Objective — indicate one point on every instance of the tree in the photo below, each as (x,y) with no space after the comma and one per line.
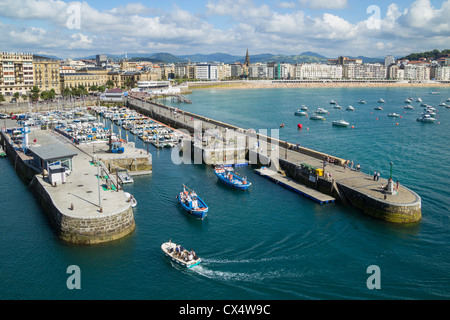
(101,88)
(2,98)
(35,93)
(93,88)
(109,84)
(17,96)
(129,83)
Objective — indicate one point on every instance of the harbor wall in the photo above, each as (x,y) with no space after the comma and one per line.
(72,229)
(383,209)
(83,230)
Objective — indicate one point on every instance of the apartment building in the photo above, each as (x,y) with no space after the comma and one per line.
(16,73)
(46,74)
(313,71)
(372,71)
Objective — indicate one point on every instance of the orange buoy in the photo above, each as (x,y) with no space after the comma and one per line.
(377,118)
(299,126)
(353,127)
(397,123)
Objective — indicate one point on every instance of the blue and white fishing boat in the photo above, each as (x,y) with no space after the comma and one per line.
(192,203)
(180,255)
(300,113)
(228,176)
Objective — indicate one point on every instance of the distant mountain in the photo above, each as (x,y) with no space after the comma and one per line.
(313,54)
(219,57)
(163,57)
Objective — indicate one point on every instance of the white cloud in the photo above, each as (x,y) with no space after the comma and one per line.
(324,4)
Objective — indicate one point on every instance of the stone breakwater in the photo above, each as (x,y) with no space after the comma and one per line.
(73,207)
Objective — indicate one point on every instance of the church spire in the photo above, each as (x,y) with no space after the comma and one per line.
(247,59)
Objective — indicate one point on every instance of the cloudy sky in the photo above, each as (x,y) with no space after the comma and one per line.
(328,27)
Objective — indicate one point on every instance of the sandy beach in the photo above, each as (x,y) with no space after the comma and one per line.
(266,84)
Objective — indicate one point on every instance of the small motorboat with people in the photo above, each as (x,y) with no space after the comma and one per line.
(132,200)
(180,255)
(426,118)
(300,113)
(393,115)
(192,203)
(340,123)
(228,176)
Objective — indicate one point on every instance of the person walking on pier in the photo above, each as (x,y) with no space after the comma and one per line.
(378,175)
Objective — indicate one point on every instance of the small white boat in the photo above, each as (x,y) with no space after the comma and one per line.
(180,255)
(381,101)
(393,115)
(340,123)
(362,102)
(321,111)
(442,104)
(336,106)
(304,108)
(316,117)
(300,113)
(131,199)
(429,112)
(419,100)
(350,108)
(125,177)
(332,102)
(408,101)
(448,100)
(378,108)
(408,106)
(426,118)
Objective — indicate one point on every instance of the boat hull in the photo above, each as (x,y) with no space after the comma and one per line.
(196,213)
(235,183)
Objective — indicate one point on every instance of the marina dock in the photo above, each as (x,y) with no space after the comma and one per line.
(290,184)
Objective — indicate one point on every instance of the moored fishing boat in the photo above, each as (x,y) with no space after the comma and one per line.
(321,111)
(192,203)
(381,101)
(408,106)
(350,108)
(132,200)
(228,176)
(180,255)
(378,108)
(393,115)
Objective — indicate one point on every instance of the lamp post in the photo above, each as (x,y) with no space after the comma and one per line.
(390,176)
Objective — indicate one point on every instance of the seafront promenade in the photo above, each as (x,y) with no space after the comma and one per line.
(349,185)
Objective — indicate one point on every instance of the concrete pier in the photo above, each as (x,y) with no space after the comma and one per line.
(83,209)
(348,186)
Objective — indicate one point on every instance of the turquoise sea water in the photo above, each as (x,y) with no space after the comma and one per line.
(268,242)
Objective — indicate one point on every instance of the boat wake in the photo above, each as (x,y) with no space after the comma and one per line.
(253,277)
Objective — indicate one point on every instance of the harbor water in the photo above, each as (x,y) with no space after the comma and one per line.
(267,242)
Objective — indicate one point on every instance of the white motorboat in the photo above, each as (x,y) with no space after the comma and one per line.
(350,108)
(332,102)
(180,255)
(442,104)
(304,108)
(381,101)
(419,100)
(426,118)
(408,106)
(300,113)
(321,111)
(408,101)
(125,177)
(336,106)
(362,102)
(378,108)
(316,117)
(131,199)
(393,115)
(340,123)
